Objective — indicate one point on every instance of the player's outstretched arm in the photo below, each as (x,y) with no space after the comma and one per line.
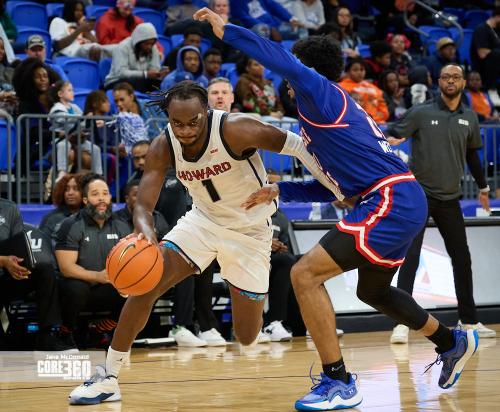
(157,162)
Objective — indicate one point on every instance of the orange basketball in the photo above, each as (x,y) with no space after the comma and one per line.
(134,266)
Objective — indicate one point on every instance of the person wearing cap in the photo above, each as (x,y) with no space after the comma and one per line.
(137,61)
(117,23)
(35,47)
(446,53)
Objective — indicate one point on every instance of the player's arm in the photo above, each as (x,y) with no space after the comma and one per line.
(157,162)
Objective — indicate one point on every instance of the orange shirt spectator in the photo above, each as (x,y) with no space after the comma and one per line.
(478,100)
(371,97)
(117,23)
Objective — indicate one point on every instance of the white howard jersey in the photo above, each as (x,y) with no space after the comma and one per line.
(219,181)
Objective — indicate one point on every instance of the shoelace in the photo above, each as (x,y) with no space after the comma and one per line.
(436,362)
(93,379)
(319,387)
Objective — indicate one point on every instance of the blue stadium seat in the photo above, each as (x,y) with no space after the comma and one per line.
(4,166)
(233,77)
(205,45)
(96,11)
(165,42)
(25,13)
(81,97)
(225,68)
(274,77)
(82,73)
(456,12)
(364,50)
(109,3)
(277,162)
(104,68)
(434,34)
(464,48)
(23,32)
(112,106)
(54,9)
(472,18)
(176,39)
(154,17)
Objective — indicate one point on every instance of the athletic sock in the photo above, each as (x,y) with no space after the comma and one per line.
(114,361)
(443,338)
(336,370)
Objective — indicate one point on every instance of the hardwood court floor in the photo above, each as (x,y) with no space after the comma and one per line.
(271,376)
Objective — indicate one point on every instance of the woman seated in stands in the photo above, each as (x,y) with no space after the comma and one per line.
(8,99)
(117,23)
(393,94)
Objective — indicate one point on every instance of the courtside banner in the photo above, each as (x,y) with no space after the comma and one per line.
(35,366)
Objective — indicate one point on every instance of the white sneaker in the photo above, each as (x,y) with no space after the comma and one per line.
(184,337)
(99,388)
(276,332)
(212,337)
(482,330)
(400,334)
(263,338)
(340,332)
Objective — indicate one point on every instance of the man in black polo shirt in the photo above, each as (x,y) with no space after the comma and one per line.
(445,134)
(82,244)
(485,50)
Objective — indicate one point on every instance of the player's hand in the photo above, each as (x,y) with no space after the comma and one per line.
(484,199)
(102,276)
(393,141)
(264,195)
(151,238)
(205,14)
(275,245)
(12,265)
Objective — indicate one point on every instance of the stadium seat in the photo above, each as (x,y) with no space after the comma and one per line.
(280,163)
(456,12)
(108,3)
(96,11)
(274,77)
(233,77)
(225,68)
(4,165)
(205,45)
(364,50)
(176,39)
(464,47)
(54,9)
(104,68)
(82,73)
(25,13)
(472,18)
(433,35)
(23,32)
(165,42)
(81,97)
(154,17)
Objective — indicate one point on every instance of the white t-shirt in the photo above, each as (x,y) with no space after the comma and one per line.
(59,29)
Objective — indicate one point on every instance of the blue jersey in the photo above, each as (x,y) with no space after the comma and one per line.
(344,140)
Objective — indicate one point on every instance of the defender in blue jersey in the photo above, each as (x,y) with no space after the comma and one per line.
(355,163)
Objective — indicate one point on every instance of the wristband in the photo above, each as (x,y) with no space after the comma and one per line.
(485,189)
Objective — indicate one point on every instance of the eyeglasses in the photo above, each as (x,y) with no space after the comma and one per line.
(454,77)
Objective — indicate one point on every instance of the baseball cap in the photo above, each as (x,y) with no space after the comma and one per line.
(35,40)
(444,41)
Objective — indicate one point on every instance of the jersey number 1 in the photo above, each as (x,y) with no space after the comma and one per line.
(212,191)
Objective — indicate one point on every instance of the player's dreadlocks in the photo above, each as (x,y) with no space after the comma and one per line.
(184,90)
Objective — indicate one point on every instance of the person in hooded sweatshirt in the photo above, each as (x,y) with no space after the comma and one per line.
(419,89)
(189,67)
(137,61)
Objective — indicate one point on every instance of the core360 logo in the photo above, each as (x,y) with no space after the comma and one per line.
(67,367)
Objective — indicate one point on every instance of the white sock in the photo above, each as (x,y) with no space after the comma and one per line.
(115,361)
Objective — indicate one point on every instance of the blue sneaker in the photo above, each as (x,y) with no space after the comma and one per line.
(329,394)
(454,360)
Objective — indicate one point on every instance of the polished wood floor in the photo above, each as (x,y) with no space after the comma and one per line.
(270,377)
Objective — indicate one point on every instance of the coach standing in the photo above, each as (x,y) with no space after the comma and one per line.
(445,134)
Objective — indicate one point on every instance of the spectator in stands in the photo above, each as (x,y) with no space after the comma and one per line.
(220,94)
(379,61)
(32,80)
(371,96)
(478,100)
(82,244)
(446,53)
(127,102)
(287,98)
(189,67)
(349,40)
(36,47)
(438,163)
(17,282)
(400,58)
(72,35)
(137,61)
(8,98)
(126,214)
(264,16)
(255,93)
(310,14)
(192,37)
(420,86)
(212,61)
(329,7)
(117,23)
(7,23)
(180,15)
(485,50)
(393,94)
(67,198)
(68,130)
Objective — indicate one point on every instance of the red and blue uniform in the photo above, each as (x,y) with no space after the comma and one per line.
(353,154)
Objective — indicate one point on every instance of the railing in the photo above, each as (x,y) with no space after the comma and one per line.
(26,183)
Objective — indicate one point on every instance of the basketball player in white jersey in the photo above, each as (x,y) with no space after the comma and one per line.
(215,156)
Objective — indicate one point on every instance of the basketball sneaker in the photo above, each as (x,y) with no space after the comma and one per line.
(482,330)
(277,332)
(212,337)
(263,337)
(454,360)
(330,394)
(400,334)
(99,388)
(184,337)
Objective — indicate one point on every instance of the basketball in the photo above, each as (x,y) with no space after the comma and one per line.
(134,266)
